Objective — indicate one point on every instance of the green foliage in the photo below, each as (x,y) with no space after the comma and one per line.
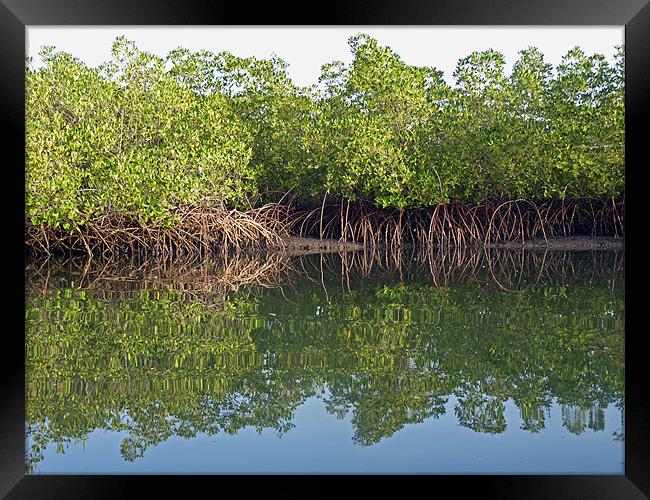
(143,134)
(382,123)
(587,124)
(127,139)
(399,136)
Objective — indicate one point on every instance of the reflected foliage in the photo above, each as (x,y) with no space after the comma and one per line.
(385,347)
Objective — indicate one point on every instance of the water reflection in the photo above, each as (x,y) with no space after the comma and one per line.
(182,348)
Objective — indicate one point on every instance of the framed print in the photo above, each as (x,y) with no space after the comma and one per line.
(387,241)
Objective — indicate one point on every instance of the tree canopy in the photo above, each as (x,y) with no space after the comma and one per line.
(143,134)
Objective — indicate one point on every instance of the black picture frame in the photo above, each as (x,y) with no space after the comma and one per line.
(634,14)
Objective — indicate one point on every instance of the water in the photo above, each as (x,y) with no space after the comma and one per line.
(498,362)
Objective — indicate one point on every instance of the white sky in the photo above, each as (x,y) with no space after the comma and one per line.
(305,49)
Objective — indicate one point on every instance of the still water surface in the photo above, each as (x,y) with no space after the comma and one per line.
(498,362)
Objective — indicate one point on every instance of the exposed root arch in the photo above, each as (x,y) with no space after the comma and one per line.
(459,225)
(206,230)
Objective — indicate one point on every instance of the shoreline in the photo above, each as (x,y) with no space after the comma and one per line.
(566,243)
(298,245)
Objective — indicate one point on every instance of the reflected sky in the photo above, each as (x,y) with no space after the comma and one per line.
(322,443)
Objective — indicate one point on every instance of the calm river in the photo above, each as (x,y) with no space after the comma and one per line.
(480,362)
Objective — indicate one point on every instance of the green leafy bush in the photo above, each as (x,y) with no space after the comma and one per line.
(127,138)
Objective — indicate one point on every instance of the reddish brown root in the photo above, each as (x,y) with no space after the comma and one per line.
(204,230)
(196,231)
(458,225)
